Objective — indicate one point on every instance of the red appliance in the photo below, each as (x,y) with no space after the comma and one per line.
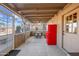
(51,35)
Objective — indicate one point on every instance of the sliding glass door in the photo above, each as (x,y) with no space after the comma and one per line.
(6,31)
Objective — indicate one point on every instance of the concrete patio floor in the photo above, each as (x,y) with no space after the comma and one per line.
(38,47)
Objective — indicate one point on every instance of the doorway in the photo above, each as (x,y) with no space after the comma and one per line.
(70,31)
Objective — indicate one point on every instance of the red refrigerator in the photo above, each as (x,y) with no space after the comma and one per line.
(51,34)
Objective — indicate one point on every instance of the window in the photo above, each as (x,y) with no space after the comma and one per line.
(19,25)
(38,27)
(10,25)
(5,21)
(3,24)
(71,23)
(28,27)
(75,22)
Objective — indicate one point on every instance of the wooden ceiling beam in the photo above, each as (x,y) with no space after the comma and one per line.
(45,19)
(39,18)
(46,10)
(39,15)
(38,12)
(39,8)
